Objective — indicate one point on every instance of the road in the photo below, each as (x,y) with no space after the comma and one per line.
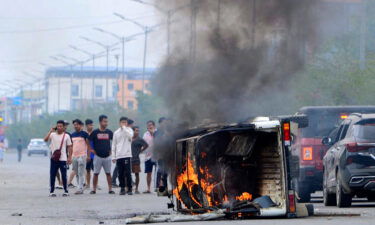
(24,200)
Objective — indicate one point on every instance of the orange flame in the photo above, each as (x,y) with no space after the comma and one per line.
(244,196)
(189,177)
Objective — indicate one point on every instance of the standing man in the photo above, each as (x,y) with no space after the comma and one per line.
(122,154)
(101,139)
(59,142)
(19,150)
(80,153)
(149,164)
(89,165)
(138,145)
(161,136)
(115,173)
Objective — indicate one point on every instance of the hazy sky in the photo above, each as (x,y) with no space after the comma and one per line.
(24,41)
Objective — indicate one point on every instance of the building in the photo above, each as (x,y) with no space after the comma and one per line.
(76,88)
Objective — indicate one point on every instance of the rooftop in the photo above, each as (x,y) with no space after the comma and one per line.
(98,72)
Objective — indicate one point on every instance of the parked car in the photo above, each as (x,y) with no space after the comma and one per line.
(37,146)
(349,164)
(308,148)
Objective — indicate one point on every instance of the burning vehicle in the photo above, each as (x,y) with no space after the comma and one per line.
(244,170)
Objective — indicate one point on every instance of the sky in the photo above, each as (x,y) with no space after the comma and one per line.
(31,31)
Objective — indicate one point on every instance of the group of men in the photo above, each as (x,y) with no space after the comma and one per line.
(95,149)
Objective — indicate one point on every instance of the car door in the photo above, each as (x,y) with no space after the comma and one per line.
(338,150)
(330,158)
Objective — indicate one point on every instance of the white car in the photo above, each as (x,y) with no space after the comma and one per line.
(37,146)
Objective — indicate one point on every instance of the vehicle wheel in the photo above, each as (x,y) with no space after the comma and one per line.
(28,154)
(45,154)
(371,198)
(329,199)
(303,192)
(342,199)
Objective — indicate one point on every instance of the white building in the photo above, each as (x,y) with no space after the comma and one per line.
(68,89)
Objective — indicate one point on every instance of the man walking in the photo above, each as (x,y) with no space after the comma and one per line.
(80,153)
(19,150)
(138,145)
(122,154)
(149,164)
(101,140)
(89,165)
(59,142)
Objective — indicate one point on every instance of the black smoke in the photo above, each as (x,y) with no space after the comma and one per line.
(241,64)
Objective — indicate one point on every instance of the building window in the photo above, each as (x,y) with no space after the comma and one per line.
(75,90)
(98,91)
(114,90)
(130,105)
(130,87)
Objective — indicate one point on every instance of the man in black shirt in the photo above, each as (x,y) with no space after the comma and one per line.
(101,142)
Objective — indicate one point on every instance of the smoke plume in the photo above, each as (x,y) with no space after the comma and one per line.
(234,60)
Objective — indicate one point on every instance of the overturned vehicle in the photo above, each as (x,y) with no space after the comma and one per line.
(243,170)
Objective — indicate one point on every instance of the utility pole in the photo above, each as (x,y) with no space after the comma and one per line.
(218,15)
(362,43)
(146,30)
(193,30)
(123,41)
(254,22)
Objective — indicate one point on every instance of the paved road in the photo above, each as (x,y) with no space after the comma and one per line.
(24,190)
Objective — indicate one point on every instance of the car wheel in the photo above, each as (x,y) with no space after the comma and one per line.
(303,192)
(329,199)
(342,199)
(28,154)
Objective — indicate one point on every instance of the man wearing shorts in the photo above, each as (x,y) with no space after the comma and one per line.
(80,153)
(101,140)
(138,146)
(149,164)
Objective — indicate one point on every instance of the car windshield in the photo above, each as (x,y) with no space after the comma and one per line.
(37,143)
(320,125)
(365,129)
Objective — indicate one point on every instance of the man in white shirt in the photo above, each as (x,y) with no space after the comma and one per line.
(59,141)
(149,163)
(122,154)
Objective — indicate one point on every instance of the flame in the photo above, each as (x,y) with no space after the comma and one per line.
(189,177)
(244,196)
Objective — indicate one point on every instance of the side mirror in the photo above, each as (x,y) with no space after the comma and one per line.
(327,141)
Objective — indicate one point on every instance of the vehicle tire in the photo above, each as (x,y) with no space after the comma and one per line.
(342,199)
(371,198)
(302,191)
(28,154)
(329,199)
(45,154)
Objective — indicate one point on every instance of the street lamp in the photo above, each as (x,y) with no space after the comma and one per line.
(123,40)
(146,30)
(85,52)
(169,13)
(106,47)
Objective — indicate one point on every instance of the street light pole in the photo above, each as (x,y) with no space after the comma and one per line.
(146,30)
(169,14)
(107,48)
